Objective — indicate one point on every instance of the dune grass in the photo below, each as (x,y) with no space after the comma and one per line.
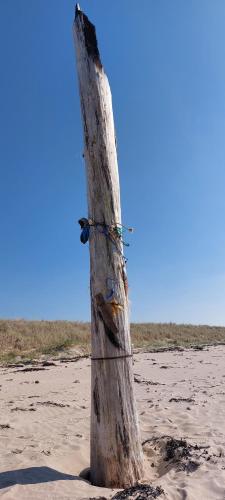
(20,339)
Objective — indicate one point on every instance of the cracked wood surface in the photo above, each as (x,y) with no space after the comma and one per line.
(116,456)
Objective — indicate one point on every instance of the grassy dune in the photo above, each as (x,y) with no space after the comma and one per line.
(29,339)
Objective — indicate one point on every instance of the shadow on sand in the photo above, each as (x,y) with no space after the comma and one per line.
(34,475)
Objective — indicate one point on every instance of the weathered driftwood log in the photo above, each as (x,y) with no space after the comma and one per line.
(116,456)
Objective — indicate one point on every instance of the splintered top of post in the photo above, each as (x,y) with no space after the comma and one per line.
(89,32)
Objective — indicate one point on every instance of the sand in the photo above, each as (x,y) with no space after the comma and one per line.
(44,426)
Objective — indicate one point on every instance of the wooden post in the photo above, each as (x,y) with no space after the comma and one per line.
(116,455)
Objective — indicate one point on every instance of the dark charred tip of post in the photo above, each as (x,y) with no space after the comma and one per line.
(77,10)
(89,36)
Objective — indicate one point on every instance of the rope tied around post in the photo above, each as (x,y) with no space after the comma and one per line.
(113,357)
(114,232)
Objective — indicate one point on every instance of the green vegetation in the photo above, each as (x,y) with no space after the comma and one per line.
(20,339)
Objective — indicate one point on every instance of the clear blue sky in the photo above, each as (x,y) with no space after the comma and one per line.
(165,62)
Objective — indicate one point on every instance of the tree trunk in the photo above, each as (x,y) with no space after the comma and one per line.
(116,455)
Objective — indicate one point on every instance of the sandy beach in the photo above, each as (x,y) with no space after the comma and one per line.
(44,426)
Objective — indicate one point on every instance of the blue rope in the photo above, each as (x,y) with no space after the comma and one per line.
(111,285)
(112,232)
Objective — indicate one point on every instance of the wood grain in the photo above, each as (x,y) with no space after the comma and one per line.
(116,456)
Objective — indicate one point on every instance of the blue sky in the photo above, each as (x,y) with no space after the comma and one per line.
(165,63)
